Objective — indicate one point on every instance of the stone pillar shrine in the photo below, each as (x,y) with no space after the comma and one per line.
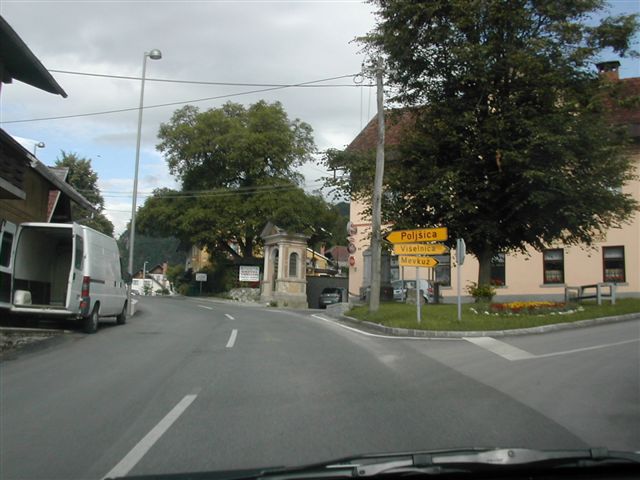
(285,267)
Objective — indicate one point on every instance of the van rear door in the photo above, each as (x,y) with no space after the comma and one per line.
(7,247)
(74,292)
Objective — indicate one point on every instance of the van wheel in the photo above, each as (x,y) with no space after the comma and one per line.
(122,318)
(91,322)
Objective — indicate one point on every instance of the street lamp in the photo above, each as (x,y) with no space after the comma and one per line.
(37,145)
(153,55)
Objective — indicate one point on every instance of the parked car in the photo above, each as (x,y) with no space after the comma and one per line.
(401,287)
(65,270)
(331,295)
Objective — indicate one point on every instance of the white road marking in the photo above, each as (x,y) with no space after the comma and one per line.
(203,306)
(229,316)
(585,349)
(500,348)
(144,445)
(514,353)
(232,338)
(368,334)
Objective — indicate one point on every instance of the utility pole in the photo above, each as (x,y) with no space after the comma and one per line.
(376,220)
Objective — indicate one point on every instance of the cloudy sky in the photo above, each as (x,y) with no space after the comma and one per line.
(256,42)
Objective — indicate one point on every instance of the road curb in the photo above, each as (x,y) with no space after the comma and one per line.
(404,332)
(32,330)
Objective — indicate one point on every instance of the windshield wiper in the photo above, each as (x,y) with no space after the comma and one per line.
(457,461)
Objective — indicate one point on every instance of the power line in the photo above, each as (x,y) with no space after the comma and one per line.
(202,82)
(204,193)
(131,109)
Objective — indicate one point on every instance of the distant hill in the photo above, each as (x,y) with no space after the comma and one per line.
(151,250)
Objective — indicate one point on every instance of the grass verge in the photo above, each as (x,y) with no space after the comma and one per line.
(444,316)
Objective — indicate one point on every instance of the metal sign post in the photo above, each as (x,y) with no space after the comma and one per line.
(201,277)
(418,295)
(409,245)
(461,250)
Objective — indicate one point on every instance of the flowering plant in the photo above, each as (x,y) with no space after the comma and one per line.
(527,307)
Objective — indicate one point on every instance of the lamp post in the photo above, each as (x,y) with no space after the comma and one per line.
(36,146)
(153,55)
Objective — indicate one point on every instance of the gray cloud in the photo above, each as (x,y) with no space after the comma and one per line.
(272,42)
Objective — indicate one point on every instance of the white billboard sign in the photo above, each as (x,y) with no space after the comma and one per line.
(249,273)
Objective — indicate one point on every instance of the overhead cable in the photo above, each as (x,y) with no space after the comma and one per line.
(202,82)
(170,104)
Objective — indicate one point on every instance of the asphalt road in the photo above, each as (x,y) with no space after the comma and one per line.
(193,385)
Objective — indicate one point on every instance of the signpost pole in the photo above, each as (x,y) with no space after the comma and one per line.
(461,251)
(458,268)
(418,295)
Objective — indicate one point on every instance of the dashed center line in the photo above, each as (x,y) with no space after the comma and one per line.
(229,316)
(143,446)
(232,338)
(204,306)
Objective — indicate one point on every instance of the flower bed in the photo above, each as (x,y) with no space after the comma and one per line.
(528,308)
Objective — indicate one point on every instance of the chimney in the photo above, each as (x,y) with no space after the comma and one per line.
(609,70)
(165,265)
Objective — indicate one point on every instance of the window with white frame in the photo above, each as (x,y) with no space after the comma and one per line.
(613,264)
(443,270)
(553,264)
(498,275)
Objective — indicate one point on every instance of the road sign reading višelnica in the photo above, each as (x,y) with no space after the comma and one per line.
(420,249)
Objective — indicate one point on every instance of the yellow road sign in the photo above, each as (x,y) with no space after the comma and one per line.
(428,262)
(420,249)
(420,235)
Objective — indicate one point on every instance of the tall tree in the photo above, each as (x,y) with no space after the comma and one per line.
(237,167)
(222,219)
(84,179)
(508,143)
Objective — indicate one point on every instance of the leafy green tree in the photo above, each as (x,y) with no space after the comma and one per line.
(237,166)
(507,141)
(219,219)
(233,146)
(84,179)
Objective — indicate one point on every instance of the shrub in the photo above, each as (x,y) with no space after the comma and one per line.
(481,293)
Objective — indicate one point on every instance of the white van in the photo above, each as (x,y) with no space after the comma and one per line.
(62,270)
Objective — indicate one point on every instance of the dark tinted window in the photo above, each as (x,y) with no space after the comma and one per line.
(79,252)
(331,290)
(5,249)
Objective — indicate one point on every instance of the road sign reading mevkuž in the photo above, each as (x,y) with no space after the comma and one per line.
(420,235)
(420,249)
(428,262)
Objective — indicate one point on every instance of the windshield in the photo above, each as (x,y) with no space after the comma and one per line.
(299,231)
